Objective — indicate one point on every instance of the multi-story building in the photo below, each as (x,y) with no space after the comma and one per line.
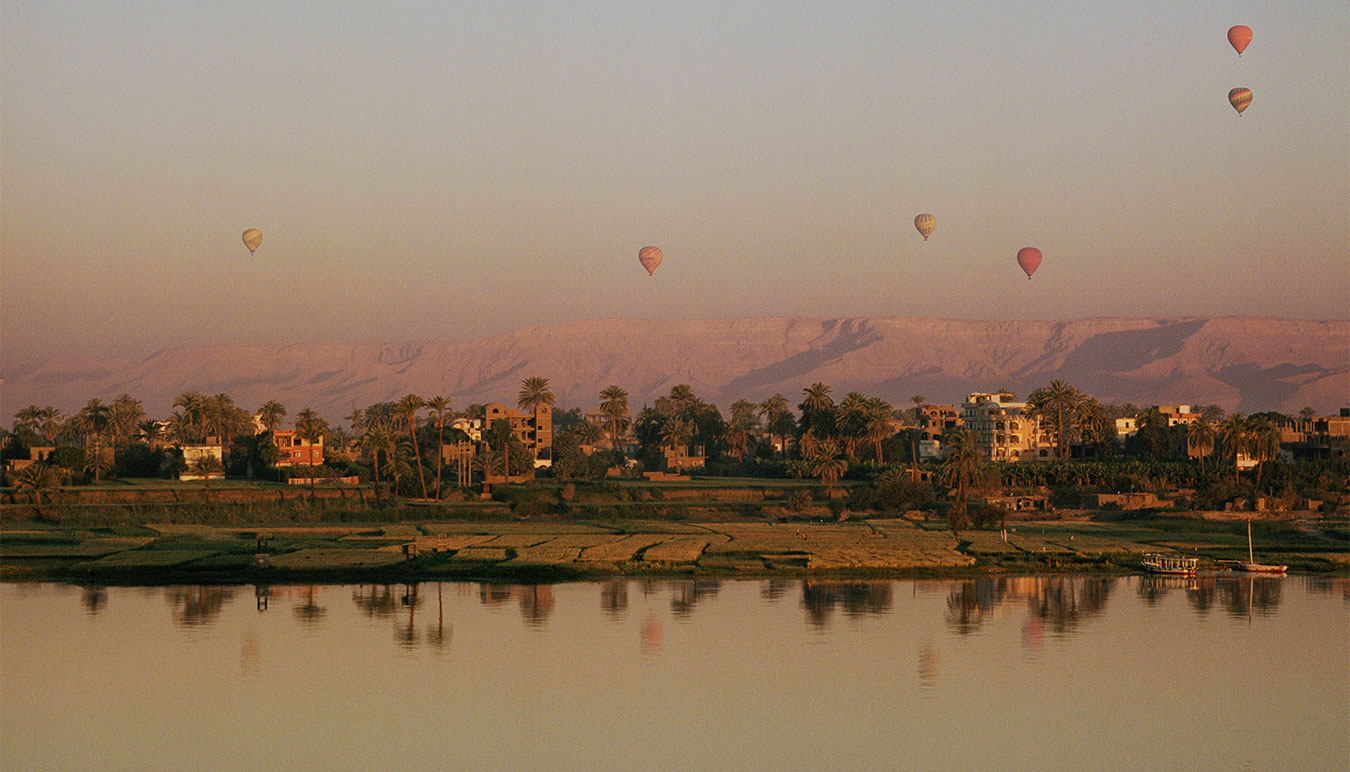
(1178,415)
(1004,429)
(935,421)
(294,451)
(533,430)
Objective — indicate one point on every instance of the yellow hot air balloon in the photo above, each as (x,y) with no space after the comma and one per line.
(252,238)
(925,223)
(1239,98)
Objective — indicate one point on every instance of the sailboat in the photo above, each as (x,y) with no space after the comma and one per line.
(1251,566)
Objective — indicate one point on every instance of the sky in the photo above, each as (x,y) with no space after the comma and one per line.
(449,170)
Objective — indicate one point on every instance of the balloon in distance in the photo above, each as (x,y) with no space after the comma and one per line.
(650,257)
(1239,98)
(252,238)
(1029,258)
(925,223)
(1240,37)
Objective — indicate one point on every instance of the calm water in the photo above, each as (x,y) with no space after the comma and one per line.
(1017,673)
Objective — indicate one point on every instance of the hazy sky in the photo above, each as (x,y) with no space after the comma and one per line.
(456,169)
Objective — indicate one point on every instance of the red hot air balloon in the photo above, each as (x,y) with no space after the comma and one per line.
(650,257)
(1239,37)
(1030,259)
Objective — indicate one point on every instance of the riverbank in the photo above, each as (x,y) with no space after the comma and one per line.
(157,553)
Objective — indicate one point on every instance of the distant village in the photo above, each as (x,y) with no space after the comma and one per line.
(424,449)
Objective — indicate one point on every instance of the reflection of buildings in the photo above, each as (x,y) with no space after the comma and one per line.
(536,602)
(687,594)
(614,596)
(197,605)
(1059,603)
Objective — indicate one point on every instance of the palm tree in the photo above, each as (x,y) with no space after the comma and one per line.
(439,405)
(1097,426)
(1200,441)
(827,465)
(149,432)
(1055,405)
(377,439)
(93,420)
(49,423)
(817,410)
(614,406)
(742,424)
(36,480)
(878,426)
(773,409)
(1233,434)
(270,415)
(534,393)
(193,404)
(588,433)
(28,419)
(1263,438)
(310,428)
(354,420)
(408,407)
(959,469)
(851,421)
(126,414)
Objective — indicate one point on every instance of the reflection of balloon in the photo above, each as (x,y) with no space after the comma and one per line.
(1239,98)
(1030,259)
(650,257)
(925,223)
(651,635)
(252,238)
(1239,37)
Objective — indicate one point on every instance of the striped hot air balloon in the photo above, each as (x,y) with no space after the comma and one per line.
(1239,98)
(650,257)
(1240,37)
(252,238)
(925,223)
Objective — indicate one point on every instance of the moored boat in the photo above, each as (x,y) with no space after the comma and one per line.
(1251,566)
(1169,565)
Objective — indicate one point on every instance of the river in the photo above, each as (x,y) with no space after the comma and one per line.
(1011,673)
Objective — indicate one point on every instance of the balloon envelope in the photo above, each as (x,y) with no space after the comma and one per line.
(1239,37)
(1239,98)
(925,223)
(650,257)
(1030,259)
(252,238)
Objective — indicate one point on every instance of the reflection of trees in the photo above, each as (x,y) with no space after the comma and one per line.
(773,589)
(1064,603)
(1325,585)
(197,605)
(614,596)
(94,597)
(1057,603)
(855,598)
(377,600)
(1243,596)
(1152,589)
(970,603)
(689,593)
(437,635)
(536,602)
(1200,594)
(493,594)
(309,612)
(406,635)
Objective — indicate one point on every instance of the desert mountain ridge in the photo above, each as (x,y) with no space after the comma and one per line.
(1240,363)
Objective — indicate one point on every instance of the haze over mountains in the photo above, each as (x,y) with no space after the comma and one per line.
(1242,363)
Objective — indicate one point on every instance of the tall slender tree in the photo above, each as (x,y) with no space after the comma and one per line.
(614,407)
(1055,405)
(534,394)
(828,464)
(408,407)
(1200,441)
(311,428)
(93,421)
(270,415)
(1233,436)
(439,405)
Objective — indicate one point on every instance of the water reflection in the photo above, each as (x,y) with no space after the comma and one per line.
(536,603)
(93,597)
(688,594)
(856,598)
(614,597)
(774,589)
(406,634)
(200,605)
(438,635)
(308,611)
(1059,604)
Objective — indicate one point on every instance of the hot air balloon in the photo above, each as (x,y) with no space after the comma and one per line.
(925,223)
(1239,98)
(650,257)
(1239,37)
(252,238)
(1030,259)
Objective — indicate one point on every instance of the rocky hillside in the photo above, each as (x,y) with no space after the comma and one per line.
(1240,363)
